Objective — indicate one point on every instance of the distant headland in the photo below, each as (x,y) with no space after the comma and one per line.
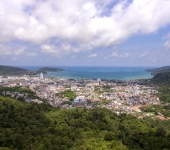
(48,69)
(10,70)
(159,70)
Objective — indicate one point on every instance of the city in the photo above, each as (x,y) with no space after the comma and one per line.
(119,96)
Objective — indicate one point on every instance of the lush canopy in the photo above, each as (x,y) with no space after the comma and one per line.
(32,126)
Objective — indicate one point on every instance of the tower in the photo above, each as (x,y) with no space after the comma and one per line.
(41,76)
(99,80)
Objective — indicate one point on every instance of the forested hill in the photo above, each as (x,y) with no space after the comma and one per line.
(9,70)
(163,82)
(159,70)
(37,127)
(161,78)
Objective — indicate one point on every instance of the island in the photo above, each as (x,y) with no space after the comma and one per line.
(10,70)
(48,69)
(159,70)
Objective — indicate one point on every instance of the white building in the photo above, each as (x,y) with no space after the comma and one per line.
(99,80)
(79,99)
(41,76)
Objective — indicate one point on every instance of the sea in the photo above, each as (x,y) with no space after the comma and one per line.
(105,73)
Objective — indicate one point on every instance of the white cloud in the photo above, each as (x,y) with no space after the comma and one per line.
(48,48)
(114,54)
(73,57)
(31,54)
(54,50)
(81,22)
(144,54)
(16,51)
(167,44)
(167,36)
(4,50)
(125,55)
(92,55)
(19,51)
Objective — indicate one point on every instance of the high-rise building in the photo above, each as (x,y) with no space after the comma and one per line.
(41,76)
(99,81)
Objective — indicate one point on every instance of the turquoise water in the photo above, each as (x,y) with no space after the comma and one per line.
(117,73)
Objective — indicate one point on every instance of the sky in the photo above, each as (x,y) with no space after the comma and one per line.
(85,32)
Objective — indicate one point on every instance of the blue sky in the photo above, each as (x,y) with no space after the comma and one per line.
(85,33)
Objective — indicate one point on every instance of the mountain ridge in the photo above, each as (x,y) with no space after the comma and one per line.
(11,70)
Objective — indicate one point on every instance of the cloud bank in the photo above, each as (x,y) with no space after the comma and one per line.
(60,27)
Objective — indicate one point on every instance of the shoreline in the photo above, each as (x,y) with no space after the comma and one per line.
(93,73)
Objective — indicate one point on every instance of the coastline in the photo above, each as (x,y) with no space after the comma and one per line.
(105,73)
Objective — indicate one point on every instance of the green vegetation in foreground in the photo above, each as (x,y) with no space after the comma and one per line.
(42,127)
(68,93)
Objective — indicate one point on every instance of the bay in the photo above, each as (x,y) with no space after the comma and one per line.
(108,73)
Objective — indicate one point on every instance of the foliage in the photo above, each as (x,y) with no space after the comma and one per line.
(164,93)
(159,70)
(165,110)
(41,127)
(9,70)
(162,80)
(106,88)
(68,93)
(19,89)
(67,102)
(103,102)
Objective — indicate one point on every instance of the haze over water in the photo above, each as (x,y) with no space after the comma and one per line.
(117,73)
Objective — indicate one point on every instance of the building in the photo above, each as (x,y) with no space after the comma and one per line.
(99,81)
(41,76)
(79,99)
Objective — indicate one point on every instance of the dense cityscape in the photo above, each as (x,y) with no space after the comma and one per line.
(119,96)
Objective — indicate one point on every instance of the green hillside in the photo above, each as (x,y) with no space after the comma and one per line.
(9,70)
(41,127)
(155,71)
(162,80)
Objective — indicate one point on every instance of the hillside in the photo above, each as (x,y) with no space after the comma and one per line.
(163,82)
(9,70)
(161,78)
(48,69)
(33,126)
(159,70)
